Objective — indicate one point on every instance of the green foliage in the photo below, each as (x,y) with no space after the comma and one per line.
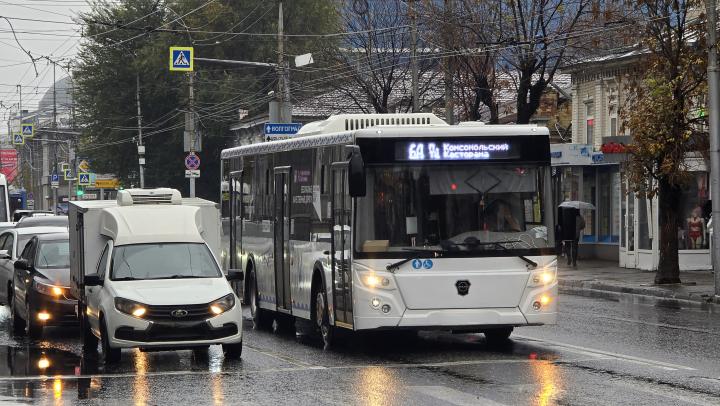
(132,37)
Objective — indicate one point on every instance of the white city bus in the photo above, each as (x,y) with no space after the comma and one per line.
(395,221)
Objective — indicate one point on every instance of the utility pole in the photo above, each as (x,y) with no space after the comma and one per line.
(449,65)
(54,146)
(413,56)
(190,122)
(714,111)
(141,148)
(281,108)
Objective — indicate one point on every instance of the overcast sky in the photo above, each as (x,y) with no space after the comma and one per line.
(57,41)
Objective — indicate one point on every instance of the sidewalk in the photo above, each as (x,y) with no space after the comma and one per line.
(607,280)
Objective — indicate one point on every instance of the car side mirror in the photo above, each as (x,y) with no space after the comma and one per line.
(356,175)
(22,265)
(4,254)
(234,275)
(93,280)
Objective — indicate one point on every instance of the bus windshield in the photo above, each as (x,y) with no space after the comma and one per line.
(471,209)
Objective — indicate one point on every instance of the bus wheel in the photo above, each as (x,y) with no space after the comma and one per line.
(261,318)
(322,318)
(498,336)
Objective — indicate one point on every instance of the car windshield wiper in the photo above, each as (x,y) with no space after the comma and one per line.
(418,253)
(126,278)
(182,277)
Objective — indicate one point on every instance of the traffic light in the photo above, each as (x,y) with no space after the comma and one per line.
(79,192)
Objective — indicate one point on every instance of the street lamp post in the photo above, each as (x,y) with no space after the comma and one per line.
(714,116)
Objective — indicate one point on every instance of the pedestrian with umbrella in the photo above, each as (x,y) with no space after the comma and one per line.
(571,226)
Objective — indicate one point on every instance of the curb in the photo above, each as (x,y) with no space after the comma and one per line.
(643,296)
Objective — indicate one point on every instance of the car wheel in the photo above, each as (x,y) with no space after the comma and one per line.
(18,323)
(33,329)
(322,319)
(233,351)
(261,318)
(498,336)
(111,355)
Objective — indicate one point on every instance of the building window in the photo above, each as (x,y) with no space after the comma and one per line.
(694,214)
(608,207)
(590,123)
(613,121)
(644,222)
(588,195)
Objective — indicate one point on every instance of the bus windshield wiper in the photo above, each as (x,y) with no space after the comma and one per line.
(418,252)
(501,245)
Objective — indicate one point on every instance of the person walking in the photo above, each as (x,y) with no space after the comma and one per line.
(579,227)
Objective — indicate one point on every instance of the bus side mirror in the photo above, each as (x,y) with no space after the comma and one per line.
(356,175)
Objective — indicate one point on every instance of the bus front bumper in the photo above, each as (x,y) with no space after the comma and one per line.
(454,319)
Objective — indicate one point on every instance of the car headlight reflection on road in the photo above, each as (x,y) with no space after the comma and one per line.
(130,307)
(223,304)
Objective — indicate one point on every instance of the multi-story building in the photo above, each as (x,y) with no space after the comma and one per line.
(624,226)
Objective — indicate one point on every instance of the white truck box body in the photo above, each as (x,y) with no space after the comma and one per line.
(92,223)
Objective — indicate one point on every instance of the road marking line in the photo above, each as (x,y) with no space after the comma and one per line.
(289,360)
(299,368)
(453,396)
(629,358)
(671,326)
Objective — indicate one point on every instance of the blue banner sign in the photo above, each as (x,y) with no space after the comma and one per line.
(282,128)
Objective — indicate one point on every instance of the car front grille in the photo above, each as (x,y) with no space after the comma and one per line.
(178,313)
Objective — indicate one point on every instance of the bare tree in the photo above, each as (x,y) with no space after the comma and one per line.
(372,65)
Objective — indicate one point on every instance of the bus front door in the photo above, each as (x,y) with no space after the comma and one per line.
(282,239)
(341,271)
(236,226)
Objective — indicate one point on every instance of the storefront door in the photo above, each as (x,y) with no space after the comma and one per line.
(628,244)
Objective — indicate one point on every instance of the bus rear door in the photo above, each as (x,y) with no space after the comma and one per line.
(282,239)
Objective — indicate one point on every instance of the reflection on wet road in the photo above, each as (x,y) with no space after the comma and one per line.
(600,353)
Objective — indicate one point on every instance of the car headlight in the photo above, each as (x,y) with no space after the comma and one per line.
(130,307)
(223,304)
(48,289)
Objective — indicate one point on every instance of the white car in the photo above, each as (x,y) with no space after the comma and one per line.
(161,296)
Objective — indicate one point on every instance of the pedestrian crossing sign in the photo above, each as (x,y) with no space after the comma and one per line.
(18,139)
(84,179)
(28,130)
(181,59)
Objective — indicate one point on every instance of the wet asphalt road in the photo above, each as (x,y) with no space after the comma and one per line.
(600,353)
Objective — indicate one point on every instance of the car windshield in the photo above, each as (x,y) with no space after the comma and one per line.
(163,261)
(453,208)
(53,254)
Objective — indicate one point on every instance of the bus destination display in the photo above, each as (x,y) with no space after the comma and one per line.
(455,150)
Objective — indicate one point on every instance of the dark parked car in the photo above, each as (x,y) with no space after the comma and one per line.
(43,221)
(12,243)
(41,285)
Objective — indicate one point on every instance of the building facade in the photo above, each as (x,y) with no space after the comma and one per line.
(624,226)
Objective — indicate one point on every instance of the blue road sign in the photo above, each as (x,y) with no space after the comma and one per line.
(282,128)
(192,161)
(428,264)
(417,264)
(55,177)
(84,179)
(181,59)
(28,130)
(18,139)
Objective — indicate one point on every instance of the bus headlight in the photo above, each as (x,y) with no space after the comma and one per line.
(374,281)
(541,278)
